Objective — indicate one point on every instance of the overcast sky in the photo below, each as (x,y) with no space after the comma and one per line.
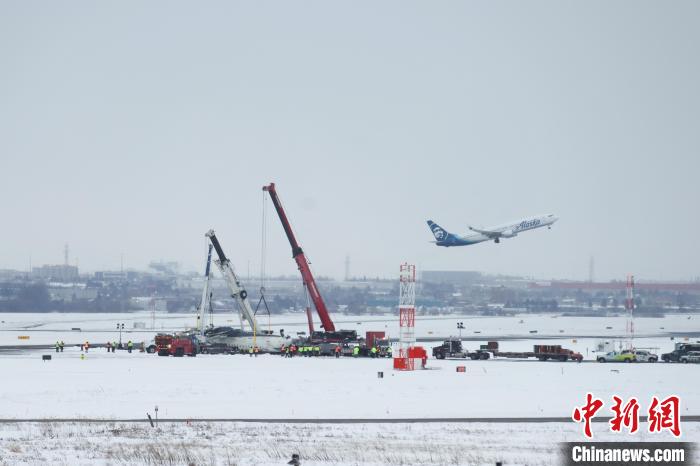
(134,127)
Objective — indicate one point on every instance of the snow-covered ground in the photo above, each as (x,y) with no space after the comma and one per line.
(246,444)
(117,386)
(46,328)
(126,386)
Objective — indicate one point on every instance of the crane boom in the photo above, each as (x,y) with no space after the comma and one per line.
(302,262)
(204,302)
(234,285)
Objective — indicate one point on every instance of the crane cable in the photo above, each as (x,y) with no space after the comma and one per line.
(263,260)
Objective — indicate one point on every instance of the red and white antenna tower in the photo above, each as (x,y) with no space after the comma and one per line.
(629,307)
(407,317)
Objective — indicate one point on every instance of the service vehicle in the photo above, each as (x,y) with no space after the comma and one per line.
(162,342)
(183,345)
(452,348)
(645,356)
(691,356)
(681,349)
(541,352)
(617,356)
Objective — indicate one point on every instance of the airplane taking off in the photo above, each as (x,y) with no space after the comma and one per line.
(447,239)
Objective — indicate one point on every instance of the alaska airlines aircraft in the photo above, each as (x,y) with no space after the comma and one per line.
(447,239)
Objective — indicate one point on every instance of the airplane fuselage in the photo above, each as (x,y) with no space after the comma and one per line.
(508,230)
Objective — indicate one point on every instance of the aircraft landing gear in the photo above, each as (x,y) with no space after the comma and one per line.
(497,240)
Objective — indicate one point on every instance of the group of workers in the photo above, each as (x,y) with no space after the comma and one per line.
(290,351)
(85,347)
(112,346)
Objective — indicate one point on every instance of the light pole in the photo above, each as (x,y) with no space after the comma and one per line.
(460,327)
(120,327)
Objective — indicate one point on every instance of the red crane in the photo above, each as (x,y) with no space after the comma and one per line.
(302,262)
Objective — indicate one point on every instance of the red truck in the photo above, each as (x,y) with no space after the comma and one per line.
(168,345)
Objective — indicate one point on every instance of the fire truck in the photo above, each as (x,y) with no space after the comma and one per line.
(176,345)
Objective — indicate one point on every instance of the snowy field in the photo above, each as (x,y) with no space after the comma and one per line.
(126,386)
(99,328)
(121,386)
(245,444)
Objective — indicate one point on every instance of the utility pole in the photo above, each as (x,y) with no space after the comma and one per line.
(120,327)
(629,307)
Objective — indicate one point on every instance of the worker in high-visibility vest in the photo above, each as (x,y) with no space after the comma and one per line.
(130,346)
(388,352)
(57,345)
(356,351)
(373,351)
(337,351)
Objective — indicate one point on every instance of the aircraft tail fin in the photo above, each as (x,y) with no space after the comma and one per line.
(439,233)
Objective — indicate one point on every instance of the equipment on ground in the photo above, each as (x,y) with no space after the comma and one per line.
(452,348)
(329,333)
(645,356)
(302,262)
(617,356)
(162,344)
(234,285)
(176,345)
(204,309)
(680,350)
(690,356)
(240,339)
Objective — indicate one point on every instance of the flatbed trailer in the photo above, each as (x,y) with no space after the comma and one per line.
(541,352)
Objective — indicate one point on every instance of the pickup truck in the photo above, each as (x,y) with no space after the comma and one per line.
(617,356)
(692,356)
(645,356)
(680,350)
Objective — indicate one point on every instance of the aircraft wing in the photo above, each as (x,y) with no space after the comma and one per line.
(489,233)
